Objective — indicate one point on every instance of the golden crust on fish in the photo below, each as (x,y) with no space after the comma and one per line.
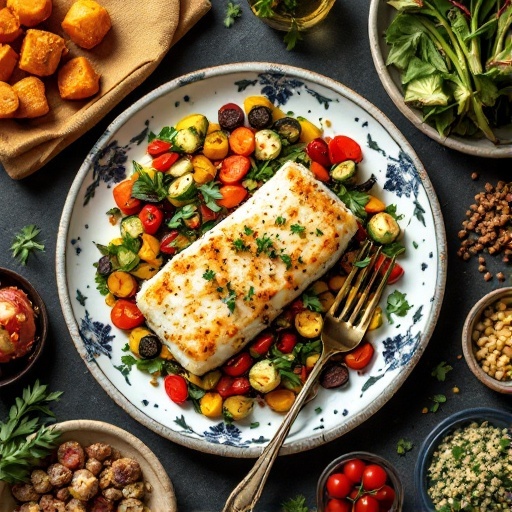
(212,298)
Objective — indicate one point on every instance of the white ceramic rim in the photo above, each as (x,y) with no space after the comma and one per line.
(395,93)
(61,248)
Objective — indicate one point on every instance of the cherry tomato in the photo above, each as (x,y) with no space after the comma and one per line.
(361,233)
(166,244)
(338,485)
(286,342)
(334,505)
(151,217)
(176,388)
(229,386)
(366,503)
(396,273)
(374,476)
(206,213)
(238,365)
(163,162)
(126,315)
(233,169)
(318,151)
(157,147)
(122,193)
(359,357)
(261,345)
(386,496)
(354,470)
(342,148)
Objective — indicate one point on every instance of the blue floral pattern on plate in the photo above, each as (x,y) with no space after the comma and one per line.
(401,181)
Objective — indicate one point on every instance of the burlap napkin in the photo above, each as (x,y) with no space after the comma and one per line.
(142,33)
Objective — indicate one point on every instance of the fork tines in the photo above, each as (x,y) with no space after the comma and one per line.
(363,287)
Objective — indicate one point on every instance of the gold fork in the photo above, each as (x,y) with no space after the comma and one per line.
(342,331)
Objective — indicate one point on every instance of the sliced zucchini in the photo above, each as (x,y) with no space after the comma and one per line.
(183,188)
(344,171)
(126,258)
(383,228)
(268,145)
(132,226)
(188,140)
(264,376)
(288,128)
(196,121)
(180,167)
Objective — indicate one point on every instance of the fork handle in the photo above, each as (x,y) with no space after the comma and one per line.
(247,493)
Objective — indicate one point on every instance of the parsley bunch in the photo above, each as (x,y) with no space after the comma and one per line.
(17,452)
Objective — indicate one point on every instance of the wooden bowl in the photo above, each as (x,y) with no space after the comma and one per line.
(469,347)
(14,370)
(161,498)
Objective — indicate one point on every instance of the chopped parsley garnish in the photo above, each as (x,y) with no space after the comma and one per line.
(209,275)
(280,221)
(297,229)
(248,231)
(319,232)
(264,245)
(311,301)
(233,11)
(396,305)
(239,245)
(286,258)
(230,298)
(440,371)
(403,446)
(437,399)
(249,294)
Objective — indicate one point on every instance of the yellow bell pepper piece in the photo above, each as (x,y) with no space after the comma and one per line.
(150,249)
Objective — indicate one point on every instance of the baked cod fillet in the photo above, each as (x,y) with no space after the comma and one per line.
(212,298)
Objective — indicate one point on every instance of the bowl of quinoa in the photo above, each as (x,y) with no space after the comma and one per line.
(487,340)
(466,463)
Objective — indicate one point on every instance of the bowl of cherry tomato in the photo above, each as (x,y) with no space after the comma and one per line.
(359,482)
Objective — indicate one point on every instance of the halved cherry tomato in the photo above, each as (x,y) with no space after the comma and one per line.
(163,162)
(318,151)
(374,476)
(342,148)
(359,357)
(338,485)
(238,365)
(157,147)
(261,345)
(229,386)
(176,388)
(286,342)
(320,172)
(122,193)
(366,503)
(334,505)
(206,213)
(126,315)
(232,195)
(354,470)
(234,168)
(241,141)
(166,244)
(396,273)
(151,217)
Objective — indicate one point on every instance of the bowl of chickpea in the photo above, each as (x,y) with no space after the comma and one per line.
(487,340)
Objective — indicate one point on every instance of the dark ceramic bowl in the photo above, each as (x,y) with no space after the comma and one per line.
(17,368)
(495,417)
(336,466)
(469,347)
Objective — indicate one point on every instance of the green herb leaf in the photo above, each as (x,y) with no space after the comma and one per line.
(396,305)
(210,192)
(440,371)
(181,214)
(149,188)
(437,399)
(297,504)
(311,301)
(280,221)
(209,275)
(233,11)
(292,36)
(403,446)
(230,298)
(297,229)
(25,243)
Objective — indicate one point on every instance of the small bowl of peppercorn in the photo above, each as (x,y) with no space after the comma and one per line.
(487,340)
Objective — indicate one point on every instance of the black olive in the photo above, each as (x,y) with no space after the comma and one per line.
(149,347)
(288,128)
(231,116)
(334,375)
(104,266)
(260,117)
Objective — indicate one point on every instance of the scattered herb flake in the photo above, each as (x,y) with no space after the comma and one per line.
(233,11)
(396,305)
(440,371)
(403,446)
(209,275)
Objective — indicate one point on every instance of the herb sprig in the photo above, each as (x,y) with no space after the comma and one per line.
(17,452)
(25,243)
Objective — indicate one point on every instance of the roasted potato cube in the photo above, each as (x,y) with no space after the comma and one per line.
(32,98)
(86,23)
(9,101)
(9,26)
(31,12)
(77,79)
(41,52)
(8,59)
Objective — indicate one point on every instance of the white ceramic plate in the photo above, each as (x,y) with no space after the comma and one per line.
(381,15)
(87,432)
(401,180)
